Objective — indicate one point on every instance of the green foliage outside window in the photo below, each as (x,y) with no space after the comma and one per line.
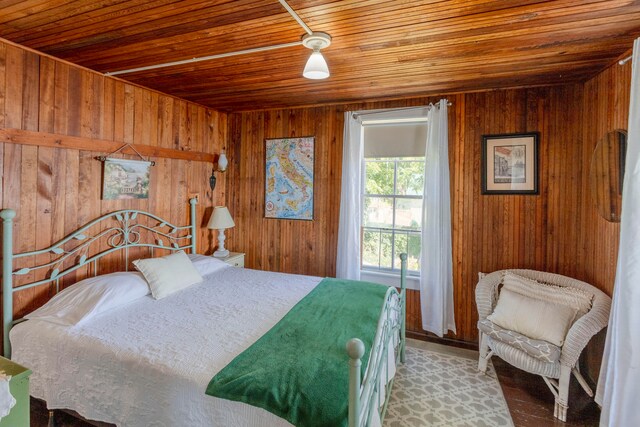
(379,177)
(392,213)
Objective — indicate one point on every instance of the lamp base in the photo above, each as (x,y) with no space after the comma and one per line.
(221,254)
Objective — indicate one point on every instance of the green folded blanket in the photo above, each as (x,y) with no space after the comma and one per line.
(299,369)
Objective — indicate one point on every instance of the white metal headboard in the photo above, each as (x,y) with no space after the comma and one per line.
(128,232)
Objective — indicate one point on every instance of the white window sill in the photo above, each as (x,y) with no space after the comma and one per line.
(390,279)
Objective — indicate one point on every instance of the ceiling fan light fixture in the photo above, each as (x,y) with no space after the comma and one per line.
(316,67)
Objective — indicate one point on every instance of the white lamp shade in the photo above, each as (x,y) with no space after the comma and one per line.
(220,219)
(316,67)
(222,162)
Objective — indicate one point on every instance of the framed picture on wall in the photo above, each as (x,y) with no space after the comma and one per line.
(289,178)
(125,179)
(510,163)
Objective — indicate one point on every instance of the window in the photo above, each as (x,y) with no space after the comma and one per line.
(392,213)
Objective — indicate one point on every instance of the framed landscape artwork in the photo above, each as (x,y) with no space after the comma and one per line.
(289,178)
(510,163)
(125,179)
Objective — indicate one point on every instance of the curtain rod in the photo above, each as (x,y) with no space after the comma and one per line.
(381,110)
(625,60)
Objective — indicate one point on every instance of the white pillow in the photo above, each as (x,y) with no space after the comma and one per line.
(90,297)
(532,317)
(565,295)
(168,274)
(207,264)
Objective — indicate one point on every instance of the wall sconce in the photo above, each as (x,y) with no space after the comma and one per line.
(222,167)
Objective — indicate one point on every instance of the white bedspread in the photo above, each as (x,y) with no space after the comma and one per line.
(105,368)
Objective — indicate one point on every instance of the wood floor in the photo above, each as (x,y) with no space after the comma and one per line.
(529,400)
(531,403)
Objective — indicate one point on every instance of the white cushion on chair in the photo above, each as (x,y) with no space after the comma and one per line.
(532,317)
(522,360)
(540,349)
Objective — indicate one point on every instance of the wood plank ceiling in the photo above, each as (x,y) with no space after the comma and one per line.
(381,49)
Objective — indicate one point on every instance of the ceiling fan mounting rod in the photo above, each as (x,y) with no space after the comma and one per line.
(204,58)
(295,16)
(227,54)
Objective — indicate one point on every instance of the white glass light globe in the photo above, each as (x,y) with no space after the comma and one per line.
(222,162)
(316,67)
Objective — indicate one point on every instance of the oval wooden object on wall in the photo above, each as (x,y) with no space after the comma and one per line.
(606,175)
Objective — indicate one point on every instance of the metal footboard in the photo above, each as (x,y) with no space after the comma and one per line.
(369,396)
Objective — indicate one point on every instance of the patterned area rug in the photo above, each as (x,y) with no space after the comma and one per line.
(438,389)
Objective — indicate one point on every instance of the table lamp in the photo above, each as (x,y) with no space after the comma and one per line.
(220,220)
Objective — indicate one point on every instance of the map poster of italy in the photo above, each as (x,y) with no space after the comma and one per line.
(289,178)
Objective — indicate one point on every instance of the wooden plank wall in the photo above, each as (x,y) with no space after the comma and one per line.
(55,190)
(606,108)
(551,231)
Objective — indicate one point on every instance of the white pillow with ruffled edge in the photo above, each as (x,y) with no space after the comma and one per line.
(566,295)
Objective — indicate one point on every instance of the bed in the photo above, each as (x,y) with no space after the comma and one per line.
(148,362)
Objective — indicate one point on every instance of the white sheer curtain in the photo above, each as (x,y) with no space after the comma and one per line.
(619,383)
(348,257)
(436,276)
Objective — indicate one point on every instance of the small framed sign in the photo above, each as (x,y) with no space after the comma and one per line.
(125,179)
(510,163)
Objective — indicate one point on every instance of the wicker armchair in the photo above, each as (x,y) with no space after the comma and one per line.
(517,350)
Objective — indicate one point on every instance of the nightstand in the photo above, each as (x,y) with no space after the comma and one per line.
(19,386)
(235,259)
